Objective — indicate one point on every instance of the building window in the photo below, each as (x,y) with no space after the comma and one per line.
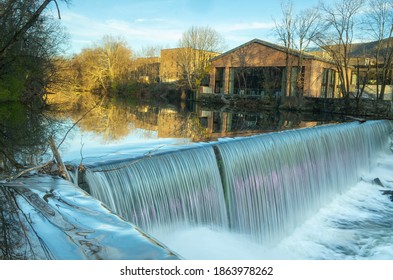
(328,81)
(219,80)
(265,81)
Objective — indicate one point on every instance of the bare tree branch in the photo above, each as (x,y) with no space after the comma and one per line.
(18,34)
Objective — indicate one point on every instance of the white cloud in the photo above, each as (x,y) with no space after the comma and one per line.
(249,26)
(150,20)
(123,28)
(84,31)
(144,31)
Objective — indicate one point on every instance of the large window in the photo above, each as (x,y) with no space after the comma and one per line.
(328,81)
(265,81)
(220,79)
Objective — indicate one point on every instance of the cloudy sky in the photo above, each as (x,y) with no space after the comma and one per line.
(144,23)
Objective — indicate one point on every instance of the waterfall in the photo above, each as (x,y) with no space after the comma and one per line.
(261,186)
(162,191)
(274,182)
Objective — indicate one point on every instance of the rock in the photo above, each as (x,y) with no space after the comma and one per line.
(378,182)
(388,193)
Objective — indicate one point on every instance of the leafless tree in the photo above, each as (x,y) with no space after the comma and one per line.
(29,39)
(340,24)
(103,67)
(296,32)
(202,38)
(307,27)
(379,24)
(25,19)
(149,51)
(285,30)
(116,57)
(243,56)
(146,64)
(196,47)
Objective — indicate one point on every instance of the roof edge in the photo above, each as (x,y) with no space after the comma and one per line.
(273,46)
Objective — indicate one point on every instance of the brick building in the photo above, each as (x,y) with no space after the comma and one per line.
(259,68)
(146,69)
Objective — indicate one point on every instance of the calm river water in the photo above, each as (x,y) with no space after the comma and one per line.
(147,127)
(84,130)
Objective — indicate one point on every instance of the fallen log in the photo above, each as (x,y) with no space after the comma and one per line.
(60,164)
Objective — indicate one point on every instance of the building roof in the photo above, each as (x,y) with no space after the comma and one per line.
(368,49)
(273,46)
(182,48)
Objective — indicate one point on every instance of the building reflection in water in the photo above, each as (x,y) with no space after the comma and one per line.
(115,121)
(201,124)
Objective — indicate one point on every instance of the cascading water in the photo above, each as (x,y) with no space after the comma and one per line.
(165,190)
(262,186)
(276,181)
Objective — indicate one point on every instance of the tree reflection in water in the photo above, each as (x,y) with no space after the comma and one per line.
(24,137)
(24,133)
(153,119)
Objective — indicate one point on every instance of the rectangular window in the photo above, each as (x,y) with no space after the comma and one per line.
(220,79)
(328,81)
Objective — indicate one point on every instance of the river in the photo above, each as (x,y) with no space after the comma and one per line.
(94,135)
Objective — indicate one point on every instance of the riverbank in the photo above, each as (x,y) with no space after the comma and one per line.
(365,108)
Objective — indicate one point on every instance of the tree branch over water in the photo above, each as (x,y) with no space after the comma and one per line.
(75,123)
(24,28)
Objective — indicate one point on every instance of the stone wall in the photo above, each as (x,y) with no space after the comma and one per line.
(363,107)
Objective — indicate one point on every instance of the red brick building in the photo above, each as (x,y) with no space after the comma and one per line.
(260,68)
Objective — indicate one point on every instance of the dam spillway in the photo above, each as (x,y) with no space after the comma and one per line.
(261,186)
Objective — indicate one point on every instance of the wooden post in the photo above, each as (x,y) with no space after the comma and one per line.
(60,163)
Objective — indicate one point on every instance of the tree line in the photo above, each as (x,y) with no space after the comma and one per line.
(103,68)
(111,67)
(31,41)
(336,28)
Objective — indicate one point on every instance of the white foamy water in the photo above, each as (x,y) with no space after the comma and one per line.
(355,225)
(314,193)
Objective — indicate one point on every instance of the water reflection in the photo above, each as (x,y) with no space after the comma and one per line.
(24,137)
(116,120)
(230,124)
(24,133)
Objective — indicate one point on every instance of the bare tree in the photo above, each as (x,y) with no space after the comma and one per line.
(379,24)
(296,32)
(104,67)
(116,57)
(25,20)
(285,32)
(340,23)
(196,47)
(202,38)
(307,27)
(243,55)
(149,51)
(29,40)
(146,64)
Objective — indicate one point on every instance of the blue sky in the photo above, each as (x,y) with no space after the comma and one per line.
(144,23)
